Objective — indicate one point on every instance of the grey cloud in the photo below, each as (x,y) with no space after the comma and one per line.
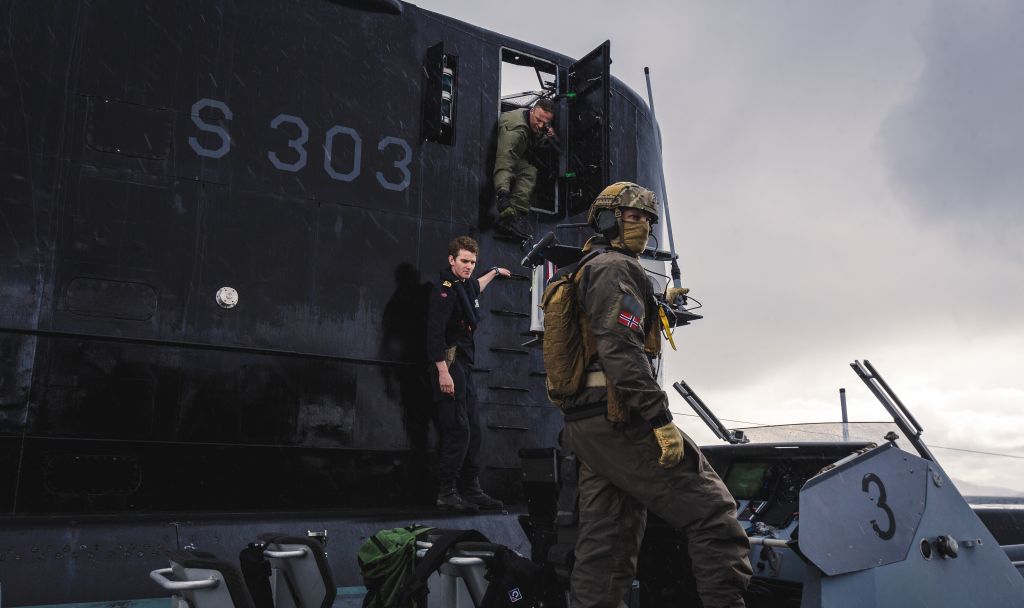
(955,149)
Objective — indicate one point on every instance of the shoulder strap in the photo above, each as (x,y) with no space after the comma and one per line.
(593,254)
(466,303)
(256,572)
(416,585)
(575,276)
(575,267)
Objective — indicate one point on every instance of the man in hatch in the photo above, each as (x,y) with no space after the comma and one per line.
(452,318)
(631,456)
(515,174)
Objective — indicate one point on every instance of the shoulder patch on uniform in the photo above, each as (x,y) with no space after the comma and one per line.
(627,311)
(446,283)
(629,319)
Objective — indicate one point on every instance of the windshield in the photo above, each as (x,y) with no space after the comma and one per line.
(963,467)
(857,432)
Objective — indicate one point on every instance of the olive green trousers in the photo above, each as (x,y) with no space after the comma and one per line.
(524,180)
(619,479)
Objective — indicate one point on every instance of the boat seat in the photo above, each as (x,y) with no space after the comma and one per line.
(460,581)
(198,579)
(300,574)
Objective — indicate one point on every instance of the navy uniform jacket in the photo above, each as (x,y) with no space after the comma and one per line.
(448,323)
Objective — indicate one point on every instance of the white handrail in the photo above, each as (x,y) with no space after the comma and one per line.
(465,561)
(161,579)
(301,552)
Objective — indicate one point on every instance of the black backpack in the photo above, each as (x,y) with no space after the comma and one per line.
(517,582)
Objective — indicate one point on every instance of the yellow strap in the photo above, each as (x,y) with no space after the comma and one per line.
(666,328)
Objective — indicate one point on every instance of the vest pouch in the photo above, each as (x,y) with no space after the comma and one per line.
(564,358)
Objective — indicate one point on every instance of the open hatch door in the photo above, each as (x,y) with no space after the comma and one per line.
(588,95)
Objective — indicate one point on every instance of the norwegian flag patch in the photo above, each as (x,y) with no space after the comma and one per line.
(629,319)
(630,313)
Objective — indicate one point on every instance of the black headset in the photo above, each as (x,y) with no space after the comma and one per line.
(606,223)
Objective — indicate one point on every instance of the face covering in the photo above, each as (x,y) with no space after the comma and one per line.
(634,236)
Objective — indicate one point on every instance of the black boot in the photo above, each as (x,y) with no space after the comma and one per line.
(473,493)
(513,224)
(448,499)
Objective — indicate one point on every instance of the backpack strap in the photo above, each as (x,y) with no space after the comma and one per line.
(256,572)
(416,585)
(593,254)
(588,340)
(573,268)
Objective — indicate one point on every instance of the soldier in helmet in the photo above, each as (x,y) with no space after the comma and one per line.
(631,455)
(519,133)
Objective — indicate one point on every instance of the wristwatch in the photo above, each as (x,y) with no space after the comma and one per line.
(495,271)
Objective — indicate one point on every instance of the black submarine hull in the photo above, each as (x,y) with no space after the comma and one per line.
(154,153)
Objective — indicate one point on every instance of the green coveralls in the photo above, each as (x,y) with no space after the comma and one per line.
(619,475)
(513,172)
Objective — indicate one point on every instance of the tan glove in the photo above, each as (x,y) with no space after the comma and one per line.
(671,442)
(674,293)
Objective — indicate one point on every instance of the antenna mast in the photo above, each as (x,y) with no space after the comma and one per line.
(676,281)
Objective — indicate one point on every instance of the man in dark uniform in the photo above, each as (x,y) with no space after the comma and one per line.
(632,457)
(452,318)
(519,133)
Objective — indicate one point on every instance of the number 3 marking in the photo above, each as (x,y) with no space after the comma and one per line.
(402,165)
(890,529)
(296,144)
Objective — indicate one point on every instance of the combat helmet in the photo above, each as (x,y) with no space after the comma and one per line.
(606,210)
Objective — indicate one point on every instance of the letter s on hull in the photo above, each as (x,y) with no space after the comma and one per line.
(225,139)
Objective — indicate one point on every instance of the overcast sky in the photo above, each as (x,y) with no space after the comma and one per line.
(846,181)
